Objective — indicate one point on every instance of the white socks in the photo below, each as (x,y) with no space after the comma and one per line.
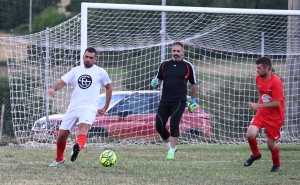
(172,150)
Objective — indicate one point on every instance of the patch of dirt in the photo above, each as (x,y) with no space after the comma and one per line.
(2,52)
(62,6)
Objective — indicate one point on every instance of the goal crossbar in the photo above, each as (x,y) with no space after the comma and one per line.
(187,9)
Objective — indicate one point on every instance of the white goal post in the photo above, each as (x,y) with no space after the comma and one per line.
(132,40)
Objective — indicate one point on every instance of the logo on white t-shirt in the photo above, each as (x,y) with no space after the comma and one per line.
(85,81)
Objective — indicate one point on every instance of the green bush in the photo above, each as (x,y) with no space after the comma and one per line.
(48,18)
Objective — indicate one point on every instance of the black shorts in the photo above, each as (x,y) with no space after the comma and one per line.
(174,110)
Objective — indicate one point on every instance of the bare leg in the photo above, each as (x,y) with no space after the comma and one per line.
(173,141)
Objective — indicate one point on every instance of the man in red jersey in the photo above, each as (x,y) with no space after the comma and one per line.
(269,115)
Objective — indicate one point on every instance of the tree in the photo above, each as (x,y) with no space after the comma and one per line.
(48,18)
(16,12)
(75,5)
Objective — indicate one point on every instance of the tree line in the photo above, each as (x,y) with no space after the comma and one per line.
(14,14)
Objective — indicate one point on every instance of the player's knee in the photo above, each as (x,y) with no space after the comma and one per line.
(271,144)
(165,135)
(62,138)
(251,132)
(250,136)
(162,131)
(175,133)
(63,135)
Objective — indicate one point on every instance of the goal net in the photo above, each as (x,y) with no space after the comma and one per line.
(131,41)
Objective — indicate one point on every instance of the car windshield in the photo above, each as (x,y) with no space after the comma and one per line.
(138,104)
(114,99)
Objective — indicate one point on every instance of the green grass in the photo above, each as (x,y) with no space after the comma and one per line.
(201,164)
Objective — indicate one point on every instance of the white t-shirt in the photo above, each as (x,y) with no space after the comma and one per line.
(87,83)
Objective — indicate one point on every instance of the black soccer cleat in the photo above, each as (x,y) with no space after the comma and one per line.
(75,152)
(276,169)
(249,161)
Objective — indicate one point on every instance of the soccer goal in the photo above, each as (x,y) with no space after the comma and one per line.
(132,40)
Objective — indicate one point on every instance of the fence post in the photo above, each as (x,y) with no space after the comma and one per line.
(1,121)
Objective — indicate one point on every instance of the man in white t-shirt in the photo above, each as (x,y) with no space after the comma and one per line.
(83,107)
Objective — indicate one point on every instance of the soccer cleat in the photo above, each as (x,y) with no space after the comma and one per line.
(276,169)
(170,155)
(75,152)
(55,164)
(251,160)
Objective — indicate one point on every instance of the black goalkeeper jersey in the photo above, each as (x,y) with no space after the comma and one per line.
(175,75)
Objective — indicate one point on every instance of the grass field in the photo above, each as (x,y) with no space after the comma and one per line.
(202,164)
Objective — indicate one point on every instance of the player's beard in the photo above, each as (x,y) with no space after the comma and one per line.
(262,74)
(176,57)
(88,65)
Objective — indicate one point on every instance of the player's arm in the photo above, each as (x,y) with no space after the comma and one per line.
(192,78)
(159,82)
(59,85)
(108,91)
(108,88)
(273,104)
(193,81)
(194,90)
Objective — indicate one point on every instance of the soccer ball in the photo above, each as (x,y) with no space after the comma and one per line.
(108,158)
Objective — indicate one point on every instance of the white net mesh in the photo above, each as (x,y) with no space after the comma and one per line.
(222,48)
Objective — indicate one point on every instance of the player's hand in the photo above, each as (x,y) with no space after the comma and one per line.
(193,105)
(154,82)
(51,92)
(102,110)
(253,106)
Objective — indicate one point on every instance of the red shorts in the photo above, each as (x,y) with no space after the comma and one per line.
(272,127)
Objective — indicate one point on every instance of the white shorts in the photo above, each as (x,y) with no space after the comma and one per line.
(75,117)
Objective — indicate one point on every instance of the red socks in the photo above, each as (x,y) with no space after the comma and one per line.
(60,149)
(81,140)
(275,152)
(275,156)
(61,146)
(254,147)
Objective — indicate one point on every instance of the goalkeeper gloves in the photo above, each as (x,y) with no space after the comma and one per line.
(193,105)
(154,82)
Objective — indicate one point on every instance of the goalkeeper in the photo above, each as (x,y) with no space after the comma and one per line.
(174,73)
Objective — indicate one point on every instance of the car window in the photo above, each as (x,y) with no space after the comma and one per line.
(114,98)
(138,104)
